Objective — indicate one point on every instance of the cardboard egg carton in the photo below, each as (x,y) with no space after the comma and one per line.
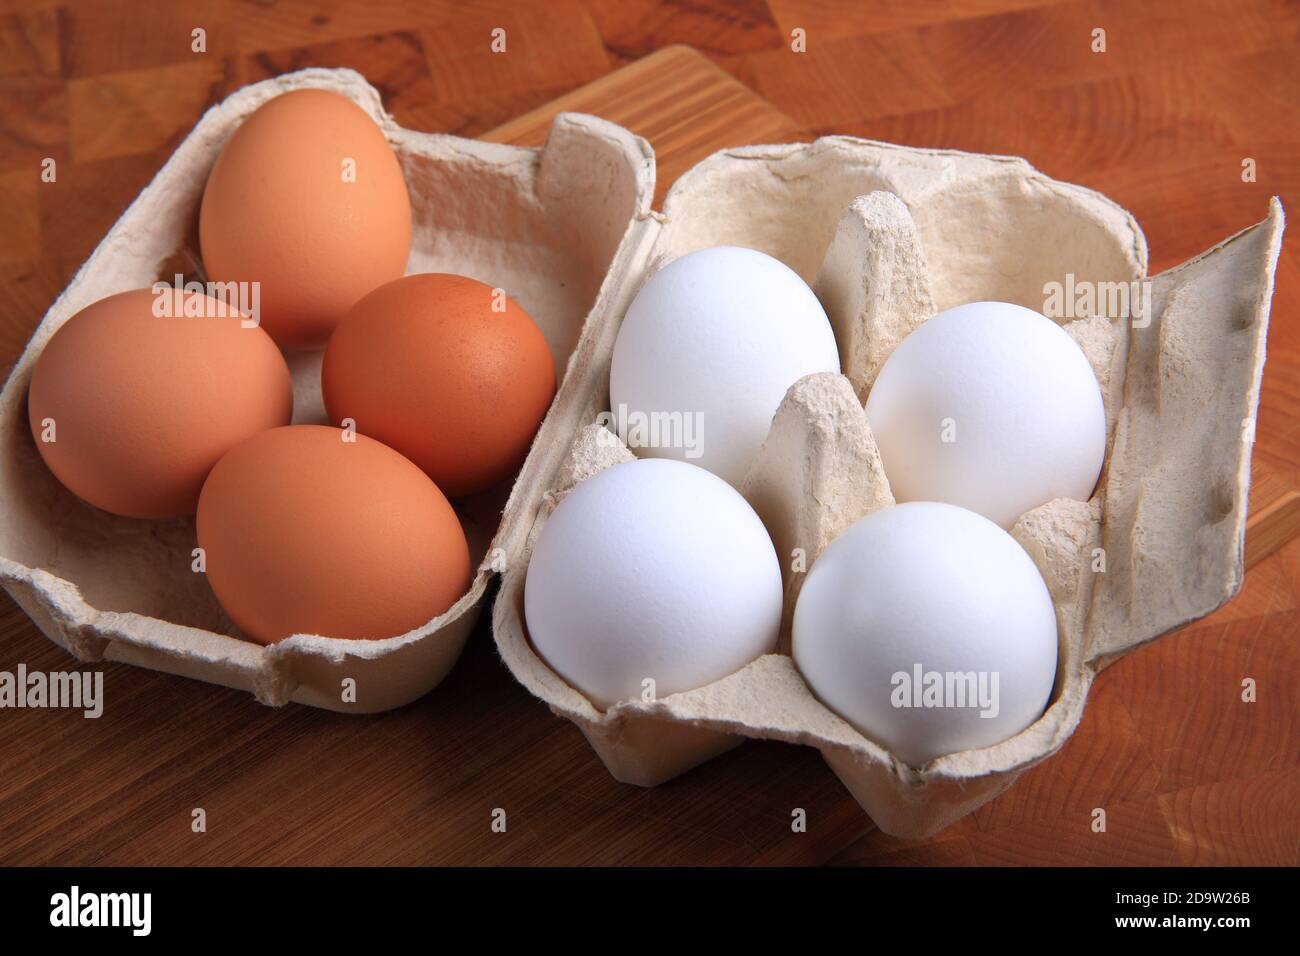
(544,224)
(887,236)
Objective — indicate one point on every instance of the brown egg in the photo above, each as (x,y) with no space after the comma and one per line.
(425,365)
(306,533)
(307,199)
(141,406)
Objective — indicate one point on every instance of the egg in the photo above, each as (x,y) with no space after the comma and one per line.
(308,529)
(706,353)
(990,406)
(448,371)
(651,578)
(928,628)
(131,409)
(308,200)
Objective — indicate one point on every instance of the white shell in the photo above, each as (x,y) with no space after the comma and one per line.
(653,577)
(990,406)
(916,594)
(713,340)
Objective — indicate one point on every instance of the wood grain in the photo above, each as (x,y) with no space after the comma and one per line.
(1186,771)
(686,110)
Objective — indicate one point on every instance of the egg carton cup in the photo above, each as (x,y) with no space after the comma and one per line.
(544,224)
(887,236)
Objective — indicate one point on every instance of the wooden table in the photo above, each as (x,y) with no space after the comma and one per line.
(1160,122)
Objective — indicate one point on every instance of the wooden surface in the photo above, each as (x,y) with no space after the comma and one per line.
(1160,122)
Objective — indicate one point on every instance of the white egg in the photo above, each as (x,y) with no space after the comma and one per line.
(655,571)
(990,406)
(928,628)
(708,349)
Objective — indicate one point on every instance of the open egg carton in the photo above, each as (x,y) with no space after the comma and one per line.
(887,236)
(544,224)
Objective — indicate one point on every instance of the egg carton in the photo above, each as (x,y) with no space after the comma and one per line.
(544,224)
(888,236)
